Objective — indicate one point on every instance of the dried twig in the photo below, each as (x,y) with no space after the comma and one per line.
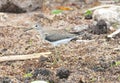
(114,33)
(23,57)
(102,6)
(85,41)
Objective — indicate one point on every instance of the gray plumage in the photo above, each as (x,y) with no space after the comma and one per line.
(55,37)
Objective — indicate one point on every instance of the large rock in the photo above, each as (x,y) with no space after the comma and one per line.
(90,1)
(110,15)
(23,5)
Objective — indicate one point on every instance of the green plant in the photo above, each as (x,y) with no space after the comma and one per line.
(56,11)
(88,12)
(28,75)
(117,63)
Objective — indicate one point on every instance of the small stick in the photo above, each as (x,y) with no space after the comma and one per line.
(114,33)
(102,6)
(85,41)
(23,57)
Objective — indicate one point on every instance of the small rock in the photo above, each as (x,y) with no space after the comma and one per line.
(117,49)
(90,1)
(88,17)
(43,59)
(44,74)
(20,6)
(102,27)
(87,36)
(99,28)
(3,51)
(39,81)
(80,28)
(42,71)
(63,73)
(6,80)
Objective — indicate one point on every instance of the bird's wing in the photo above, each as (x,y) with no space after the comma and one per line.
(58,36)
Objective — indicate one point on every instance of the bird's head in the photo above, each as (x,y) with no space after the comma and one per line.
(37,27)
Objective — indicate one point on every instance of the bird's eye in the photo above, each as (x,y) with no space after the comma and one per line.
(36,25)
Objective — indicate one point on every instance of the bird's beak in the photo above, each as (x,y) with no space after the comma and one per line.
(28,29)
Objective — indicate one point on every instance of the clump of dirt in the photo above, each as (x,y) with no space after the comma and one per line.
(63,73)
(102,27)
(10,7)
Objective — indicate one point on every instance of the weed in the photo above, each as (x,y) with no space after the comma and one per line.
(117,63)
(88,12)
(28,75)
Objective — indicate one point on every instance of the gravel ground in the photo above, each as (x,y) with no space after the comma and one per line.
(96,61)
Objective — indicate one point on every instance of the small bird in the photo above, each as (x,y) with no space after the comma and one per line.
(55,37)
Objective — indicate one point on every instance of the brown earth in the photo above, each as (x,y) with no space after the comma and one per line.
(97,61)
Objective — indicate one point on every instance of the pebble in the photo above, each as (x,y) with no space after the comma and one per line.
(39,81)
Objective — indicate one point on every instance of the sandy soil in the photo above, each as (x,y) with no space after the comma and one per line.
(97,61)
